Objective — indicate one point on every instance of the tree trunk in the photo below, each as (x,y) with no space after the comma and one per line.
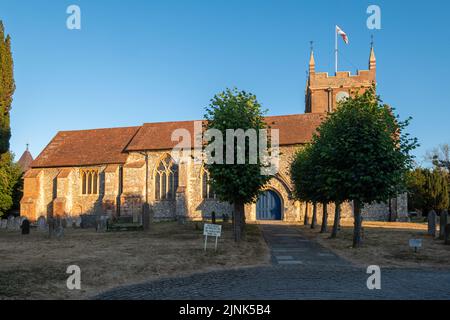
(324,226)
(314,216)
(238,221)
(337,218)
(357,224)
(305,220)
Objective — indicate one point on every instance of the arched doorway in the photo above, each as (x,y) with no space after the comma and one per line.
(268,206)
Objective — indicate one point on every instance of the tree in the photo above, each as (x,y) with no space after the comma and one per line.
(428,189)
(364,152)
(7,88)
(10,183)
(440,157)
(238,184)
(10,173)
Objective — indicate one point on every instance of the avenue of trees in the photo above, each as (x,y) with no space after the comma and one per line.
(360,154)
(10,173)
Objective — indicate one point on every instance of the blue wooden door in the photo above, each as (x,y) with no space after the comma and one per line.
(268,206)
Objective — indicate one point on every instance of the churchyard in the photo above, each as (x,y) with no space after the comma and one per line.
(34,266)
(386,244)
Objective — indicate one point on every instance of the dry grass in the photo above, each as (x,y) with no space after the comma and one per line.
(387,244)
(34,267)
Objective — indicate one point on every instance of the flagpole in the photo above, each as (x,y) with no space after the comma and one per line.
(336,49)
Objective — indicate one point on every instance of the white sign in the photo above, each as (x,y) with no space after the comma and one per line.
(212,230)
(415,243)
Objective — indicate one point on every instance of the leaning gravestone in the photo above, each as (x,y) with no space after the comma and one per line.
(432,223)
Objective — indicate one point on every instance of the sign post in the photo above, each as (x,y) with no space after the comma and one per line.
(212,230)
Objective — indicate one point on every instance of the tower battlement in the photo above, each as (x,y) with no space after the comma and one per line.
(324,91)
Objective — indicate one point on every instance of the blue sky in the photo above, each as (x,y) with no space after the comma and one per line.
(144,61)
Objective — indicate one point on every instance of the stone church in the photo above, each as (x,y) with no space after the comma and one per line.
(115,171)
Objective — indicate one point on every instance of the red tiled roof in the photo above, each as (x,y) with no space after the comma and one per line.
(110,146)
(25,161)
(294,129)
(86,147)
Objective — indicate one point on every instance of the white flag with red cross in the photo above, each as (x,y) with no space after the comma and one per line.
(340,32)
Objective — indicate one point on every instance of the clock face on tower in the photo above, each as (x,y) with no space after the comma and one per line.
(341,96)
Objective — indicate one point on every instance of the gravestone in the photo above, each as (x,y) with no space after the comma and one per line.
(447,234)
(17,223)
(78,222)
(69,222)
(102,223)
(42,223)
(432,223)
(10,224)
(25,226)
(443,220)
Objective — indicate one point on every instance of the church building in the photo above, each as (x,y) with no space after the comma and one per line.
(115,171)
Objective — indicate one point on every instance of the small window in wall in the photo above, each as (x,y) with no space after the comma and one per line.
(89,181)
(207,191)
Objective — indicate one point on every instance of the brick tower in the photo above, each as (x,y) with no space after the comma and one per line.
(324,91)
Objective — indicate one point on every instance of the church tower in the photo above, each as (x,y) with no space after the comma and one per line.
(323,91)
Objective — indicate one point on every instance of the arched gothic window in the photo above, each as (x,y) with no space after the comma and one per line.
(166,179)
(207,191)
(89,181)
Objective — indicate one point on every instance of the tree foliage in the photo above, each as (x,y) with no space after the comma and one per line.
(428,189)
(238,184)
(7,88)
(10,183)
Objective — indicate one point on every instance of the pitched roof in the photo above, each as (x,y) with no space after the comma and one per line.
(86,147)
(293,129)
(110,146)
(25,161)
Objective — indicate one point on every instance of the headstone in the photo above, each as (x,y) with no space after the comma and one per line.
(443,220)
(25,226)
(17,223)
(42,223)
(69,222)
(78,222)
(432,223)
(10,224)
(102,223)
(447,234)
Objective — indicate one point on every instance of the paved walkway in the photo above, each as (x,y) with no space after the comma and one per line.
(301,269)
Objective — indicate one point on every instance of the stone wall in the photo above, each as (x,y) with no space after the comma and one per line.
(122,191)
